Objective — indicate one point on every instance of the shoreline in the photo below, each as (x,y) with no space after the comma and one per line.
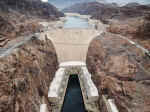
(93,23)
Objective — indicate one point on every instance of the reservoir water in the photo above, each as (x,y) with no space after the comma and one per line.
(73,101)
(76,22)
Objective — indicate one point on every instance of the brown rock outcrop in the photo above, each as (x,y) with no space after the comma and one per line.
(137,29)
(120,71)
(31,8)
(131,20)
(124,28)
(22,17)
(25,76)
(105,12)
(11,28)
(144,28)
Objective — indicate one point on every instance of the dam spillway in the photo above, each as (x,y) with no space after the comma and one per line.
(71,45)
(58,87)
(73,101)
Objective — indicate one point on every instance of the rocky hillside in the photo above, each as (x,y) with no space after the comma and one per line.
(105,12)
(131,20)
(66,3)
(25,76)
(144,29)
(137,29)
(121,71)
(21,17)
(31,8)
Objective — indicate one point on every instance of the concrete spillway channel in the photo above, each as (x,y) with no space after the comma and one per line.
(59,84)
(58,89)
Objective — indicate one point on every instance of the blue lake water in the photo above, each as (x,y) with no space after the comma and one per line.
(76,22)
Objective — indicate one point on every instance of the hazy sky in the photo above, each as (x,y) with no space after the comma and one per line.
(44,0)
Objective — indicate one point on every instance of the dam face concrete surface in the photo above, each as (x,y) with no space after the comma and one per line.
(75,93)
(71,44)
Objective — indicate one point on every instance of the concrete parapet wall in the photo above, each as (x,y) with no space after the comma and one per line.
(71,44)
(58,86)
(108,105)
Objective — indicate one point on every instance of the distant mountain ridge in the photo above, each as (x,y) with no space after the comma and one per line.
(66,3)
(21,17)
(30,7)
(104,11)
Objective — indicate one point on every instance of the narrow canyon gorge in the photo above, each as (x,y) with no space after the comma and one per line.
(90,56)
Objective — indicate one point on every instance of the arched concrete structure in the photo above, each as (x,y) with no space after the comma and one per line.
(71,48)
(71,44)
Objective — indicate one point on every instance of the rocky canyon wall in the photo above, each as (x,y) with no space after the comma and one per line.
(22,17)
(25,75)
(121,71)
(131,20)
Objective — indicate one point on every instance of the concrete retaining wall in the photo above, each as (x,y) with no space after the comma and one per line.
(58,86)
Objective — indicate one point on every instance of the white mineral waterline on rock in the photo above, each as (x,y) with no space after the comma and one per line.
(72,63)
(112,105)
(56,83)
(43,108)
(90,87)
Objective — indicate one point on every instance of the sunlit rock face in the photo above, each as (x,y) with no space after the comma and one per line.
(136,29)
(107,12)
(32,8)
(121,71)
(21,17)
(25,76)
